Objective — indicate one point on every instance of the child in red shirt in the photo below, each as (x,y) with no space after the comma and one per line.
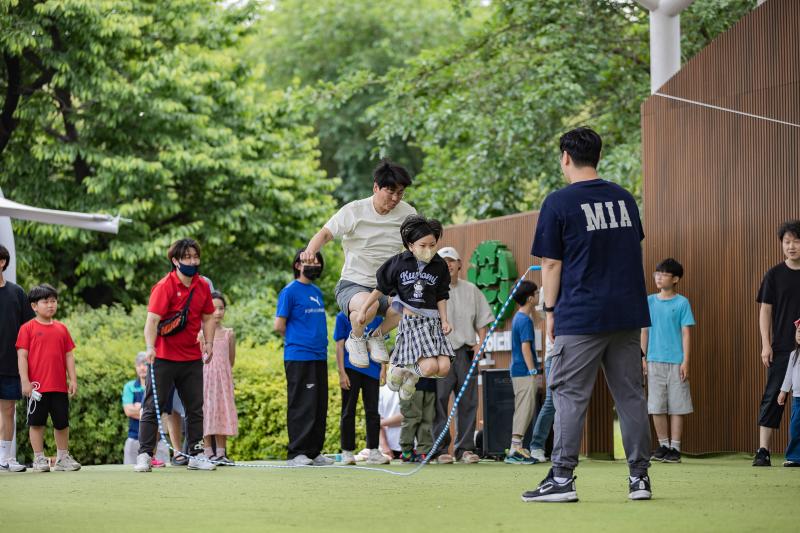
(44,352)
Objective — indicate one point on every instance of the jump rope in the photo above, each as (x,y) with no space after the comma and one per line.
(476,358)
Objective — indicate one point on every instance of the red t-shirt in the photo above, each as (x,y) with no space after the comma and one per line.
(47,346)
(169,296)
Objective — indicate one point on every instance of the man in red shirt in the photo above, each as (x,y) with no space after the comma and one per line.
(179,304)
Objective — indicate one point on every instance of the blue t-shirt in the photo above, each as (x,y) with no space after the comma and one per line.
(522,331)
(306,327)
(342,331)
(665,340)
(132,392)
(593,227)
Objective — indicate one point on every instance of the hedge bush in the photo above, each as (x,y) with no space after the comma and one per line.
(107,341)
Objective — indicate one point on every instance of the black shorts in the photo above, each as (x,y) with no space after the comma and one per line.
(10,388)
(55,404)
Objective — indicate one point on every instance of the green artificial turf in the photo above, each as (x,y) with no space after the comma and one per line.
(715,494)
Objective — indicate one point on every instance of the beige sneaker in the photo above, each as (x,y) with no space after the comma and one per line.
(41,464)
(67,464)
(143,463)
(377,349)
(469,458)
(409,386)
(348,458)
(377,458)
(445,459)
(357,351)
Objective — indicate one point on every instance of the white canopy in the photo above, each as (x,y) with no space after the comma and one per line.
(95,222)
(9,210)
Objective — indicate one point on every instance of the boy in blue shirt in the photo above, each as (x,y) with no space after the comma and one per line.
(524,367)
(132,397)
(353,379)
(666,344)
(300,318)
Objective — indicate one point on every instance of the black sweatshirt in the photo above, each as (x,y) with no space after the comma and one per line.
(401,276)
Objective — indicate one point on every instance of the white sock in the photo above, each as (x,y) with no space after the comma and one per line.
(60,454)
(38,455)
(516,444)
(207,451)
(220,451)
(664,442)
(676,444)
(5,451)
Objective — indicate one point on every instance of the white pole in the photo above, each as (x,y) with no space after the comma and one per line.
(665,39)
(10,274)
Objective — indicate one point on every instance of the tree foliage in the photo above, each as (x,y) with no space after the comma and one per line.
(486,111)
(321,44)
(151,112)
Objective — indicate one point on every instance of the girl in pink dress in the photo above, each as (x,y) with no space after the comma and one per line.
(219,409)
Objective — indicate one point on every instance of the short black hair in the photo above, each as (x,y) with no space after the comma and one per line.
(216,295)
(297,260)
(415,227)
(391,175)
(525,290)
(790,226)
(583,145)
(4,255)
(179,248)
(670,266)
(42,292)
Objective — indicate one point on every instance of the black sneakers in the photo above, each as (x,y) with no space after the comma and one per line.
(660,454)
(673,456)
(762,458)
(551,491)
(639,488)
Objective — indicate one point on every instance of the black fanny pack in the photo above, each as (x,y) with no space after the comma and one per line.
(177,322)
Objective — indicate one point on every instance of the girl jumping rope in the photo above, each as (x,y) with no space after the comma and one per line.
(419,281)
(219,409)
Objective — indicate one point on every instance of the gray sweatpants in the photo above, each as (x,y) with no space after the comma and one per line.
(467,408)
(573,371)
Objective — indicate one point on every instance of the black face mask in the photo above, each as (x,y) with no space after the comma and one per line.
(312,271)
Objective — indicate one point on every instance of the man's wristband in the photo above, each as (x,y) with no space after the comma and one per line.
(532,372)
(548,309)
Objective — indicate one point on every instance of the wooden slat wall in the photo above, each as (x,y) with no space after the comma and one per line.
(516,232)
(716,187)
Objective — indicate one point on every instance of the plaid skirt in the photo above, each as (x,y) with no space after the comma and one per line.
(418,337)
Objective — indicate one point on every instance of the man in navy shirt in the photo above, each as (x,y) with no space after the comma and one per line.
(300,318)
(589,238)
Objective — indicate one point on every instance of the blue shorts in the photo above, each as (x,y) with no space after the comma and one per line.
(10,388)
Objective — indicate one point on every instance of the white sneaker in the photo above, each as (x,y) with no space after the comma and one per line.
(12,466)
(538,454)
(300,460)
(321,460)
(41,464)
(143,463)
(377,458)
(200,462)
(357,351)
(395,377)
(348,458)
(67,464)
(377,349)
(409,386)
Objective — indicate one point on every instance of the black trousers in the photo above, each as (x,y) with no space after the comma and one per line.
(369,394)
(307,407)
(771,412)
(187,377)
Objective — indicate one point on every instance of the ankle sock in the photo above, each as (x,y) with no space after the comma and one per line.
(60,454)
(5,451)
(676,445)
(664,442)
(220,451)
(207,451)
(516,444)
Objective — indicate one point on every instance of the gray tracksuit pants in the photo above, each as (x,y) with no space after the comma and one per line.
(575,361)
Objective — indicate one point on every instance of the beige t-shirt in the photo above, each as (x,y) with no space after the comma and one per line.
(467,312)
(368,238)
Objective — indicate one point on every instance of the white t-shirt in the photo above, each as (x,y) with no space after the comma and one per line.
(389,405)
(368,238)
(467,311)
